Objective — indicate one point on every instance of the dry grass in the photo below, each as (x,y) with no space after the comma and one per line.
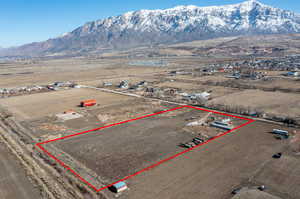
(272,102)
(43,104)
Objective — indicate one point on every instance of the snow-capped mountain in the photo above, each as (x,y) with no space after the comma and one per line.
(250,15)
(182,23)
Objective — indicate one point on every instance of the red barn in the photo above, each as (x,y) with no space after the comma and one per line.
(90,102)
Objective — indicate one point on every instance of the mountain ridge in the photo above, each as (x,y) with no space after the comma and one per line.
(167,26)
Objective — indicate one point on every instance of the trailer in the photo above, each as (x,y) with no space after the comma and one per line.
(280,132)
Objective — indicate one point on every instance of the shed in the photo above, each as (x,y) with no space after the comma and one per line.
(119,187)
(90,102)
(221,125)
(107,84)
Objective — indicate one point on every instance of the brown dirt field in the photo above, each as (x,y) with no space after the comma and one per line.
(254,194)
(118,151)
(214,78)
(282,83)
(94,117)
(181,85)
(217,91)
(295,143)
(212,170)
(43,104)
(270,102)
(121,150)
(285,171)
(13,182)
(127,110)
(83,70)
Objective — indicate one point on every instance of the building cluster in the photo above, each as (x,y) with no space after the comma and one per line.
(287,63)
(250,74)
(139,86)
(292,74)
(8,92)
(60,85)
(196,96)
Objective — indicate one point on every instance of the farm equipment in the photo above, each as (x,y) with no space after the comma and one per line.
(196,141)
(186,145)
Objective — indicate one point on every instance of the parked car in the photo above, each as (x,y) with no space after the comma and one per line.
(277,155)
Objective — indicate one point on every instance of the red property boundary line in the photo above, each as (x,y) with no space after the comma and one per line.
(39,145)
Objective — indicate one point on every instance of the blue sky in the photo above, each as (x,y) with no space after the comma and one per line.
(24,21)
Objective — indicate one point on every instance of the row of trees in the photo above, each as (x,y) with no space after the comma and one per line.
(246,110)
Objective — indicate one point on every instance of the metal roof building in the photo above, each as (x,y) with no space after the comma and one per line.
(119,187)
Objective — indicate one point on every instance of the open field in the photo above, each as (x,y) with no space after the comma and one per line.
(80,70)
(118,151)
(93,117)
(14,184)
(240,159)
(275,174)
(270,102)
(43,104)
(280,82)
(253,193)
(214,170)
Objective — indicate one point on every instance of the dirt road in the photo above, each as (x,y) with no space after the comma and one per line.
(13,182)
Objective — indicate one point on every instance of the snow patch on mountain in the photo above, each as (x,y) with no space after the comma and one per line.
(244,16)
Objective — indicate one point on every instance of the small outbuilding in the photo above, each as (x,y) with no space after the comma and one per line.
(118,187)
(124,84)
(86,103)
(107,84)
(221,125)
